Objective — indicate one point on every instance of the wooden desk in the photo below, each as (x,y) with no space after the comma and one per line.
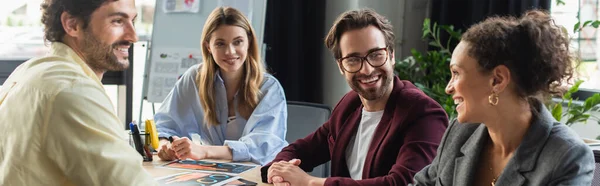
(251,175)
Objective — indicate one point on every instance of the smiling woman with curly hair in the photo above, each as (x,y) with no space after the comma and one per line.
(503,134)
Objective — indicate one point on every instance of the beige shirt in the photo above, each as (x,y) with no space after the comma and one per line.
(58,127)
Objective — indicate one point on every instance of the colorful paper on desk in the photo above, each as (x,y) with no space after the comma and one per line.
(197,178)
(240,182)
(209,166)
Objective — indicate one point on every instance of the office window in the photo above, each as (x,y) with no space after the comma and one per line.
(585,42)
(21,31)
(21,38)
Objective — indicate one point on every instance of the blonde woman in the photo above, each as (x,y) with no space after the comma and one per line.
(238,110)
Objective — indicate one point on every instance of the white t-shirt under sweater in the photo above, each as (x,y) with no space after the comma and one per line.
(357,149)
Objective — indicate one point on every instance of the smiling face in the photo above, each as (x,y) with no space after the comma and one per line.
(468,86)
(371,83)
(228,46)
(108,36)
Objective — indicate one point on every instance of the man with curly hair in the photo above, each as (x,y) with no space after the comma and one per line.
(59,126)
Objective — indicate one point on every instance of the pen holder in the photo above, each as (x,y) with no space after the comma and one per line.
(143,136)
(147,149)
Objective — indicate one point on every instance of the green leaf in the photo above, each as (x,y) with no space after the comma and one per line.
(575,110)
(591,102)
(583,118)
(557,111)
(567,95)
(436,31)
(414,52)
(586,23)
(576,27)
(426,28)
(577,118)
(455,35)
(445,27)
(596,24)
(433,43)
(573,89)
(560,2)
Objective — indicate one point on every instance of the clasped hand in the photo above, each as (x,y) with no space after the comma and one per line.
(288,173)
(180,148)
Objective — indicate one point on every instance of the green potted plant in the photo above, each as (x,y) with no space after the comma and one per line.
(574,112)
(429,70)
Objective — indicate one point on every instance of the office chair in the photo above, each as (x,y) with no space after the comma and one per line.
(596,179)
(303,119)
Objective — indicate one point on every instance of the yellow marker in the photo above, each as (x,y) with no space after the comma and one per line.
(152,133)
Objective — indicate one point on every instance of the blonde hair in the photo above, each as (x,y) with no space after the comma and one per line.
(253,69)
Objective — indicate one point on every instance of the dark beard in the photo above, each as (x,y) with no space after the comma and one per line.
(99,56)
(372,94)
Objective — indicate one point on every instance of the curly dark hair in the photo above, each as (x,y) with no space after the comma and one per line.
(357,19)
(533,47)
(52,10)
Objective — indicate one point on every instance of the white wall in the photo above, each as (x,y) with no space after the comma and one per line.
(405,15)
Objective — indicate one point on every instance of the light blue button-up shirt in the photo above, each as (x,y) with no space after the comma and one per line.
(257,139)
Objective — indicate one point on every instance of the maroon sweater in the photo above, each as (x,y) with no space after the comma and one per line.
(405,140)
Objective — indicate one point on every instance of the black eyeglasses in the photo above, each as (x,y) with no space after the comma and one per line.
(375,58)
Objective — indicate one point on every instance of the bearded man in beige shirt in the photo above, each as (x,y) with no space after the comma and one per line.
(58,124)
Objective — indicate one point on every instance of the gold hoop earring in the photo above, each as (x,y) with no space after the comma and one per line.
(493,98)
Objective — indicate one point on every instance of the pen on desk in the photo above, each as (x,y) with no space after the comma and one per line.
(137,141)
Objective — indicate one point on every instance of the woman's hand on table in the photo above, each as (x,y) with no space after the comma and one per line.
(165,152)
(184,148)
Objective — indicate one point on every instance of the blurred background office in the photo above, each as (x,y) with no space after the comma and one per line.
(293,43)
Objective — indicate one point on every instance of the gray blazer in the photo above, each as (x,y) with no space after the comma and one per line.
(550,154)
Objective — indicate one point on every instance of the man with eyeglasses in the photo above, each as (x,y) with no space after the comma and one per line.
(381,133)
